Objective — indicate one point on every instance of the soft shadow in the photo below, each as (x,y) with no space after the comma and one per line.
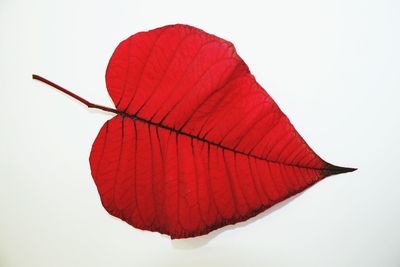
(200,241)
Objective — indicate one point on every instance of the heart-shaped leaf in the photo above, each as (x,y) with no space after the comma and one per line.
(196,143)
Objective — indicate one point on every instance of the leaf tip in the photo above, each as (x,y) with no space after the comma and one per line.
(332,169)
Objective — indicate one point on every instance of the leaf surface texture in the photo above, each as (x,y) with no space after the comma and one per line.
(198,143)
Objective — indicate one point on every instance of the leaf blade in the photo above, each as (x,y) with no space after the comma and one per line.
(226,150)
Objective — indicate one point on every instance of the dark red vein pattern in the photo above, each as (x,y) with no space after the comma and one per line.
(198,143)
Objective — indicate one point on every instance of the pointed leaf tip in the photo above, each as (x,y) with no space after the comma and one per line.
(332,170)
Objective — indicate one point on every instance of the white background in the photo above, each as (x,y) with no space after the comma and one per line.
(332,66)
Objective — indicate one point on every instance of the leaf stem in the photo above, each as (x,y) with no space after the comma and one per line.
(80,99)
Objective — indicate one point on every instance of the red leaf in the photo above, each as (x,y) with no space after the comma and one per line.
(197,143)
